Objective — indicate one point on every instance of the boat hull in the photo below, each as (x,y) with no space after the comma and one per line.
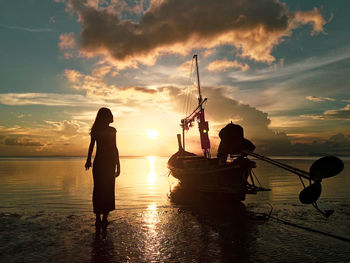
(208,175)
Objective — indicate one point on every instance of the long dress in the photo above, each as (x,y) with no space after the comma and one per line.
(103,171)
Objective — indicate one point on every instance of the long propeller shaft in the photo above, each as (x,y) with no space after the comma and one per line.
(287,167)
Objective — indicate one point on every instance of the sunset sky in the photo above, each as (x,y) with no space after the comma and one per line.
(281,69)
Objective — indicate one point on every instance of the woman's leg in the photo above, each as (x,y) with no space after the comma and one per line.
(98,218)
(105,216)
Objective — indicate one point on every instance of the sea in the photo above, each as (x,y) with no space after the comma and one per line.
(46,216)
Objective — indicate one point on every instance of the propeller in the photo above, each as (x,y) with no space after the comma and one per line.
(326,167)
(311,193)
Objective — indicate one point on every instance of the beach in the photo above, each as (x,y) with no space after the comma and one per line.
(46,215)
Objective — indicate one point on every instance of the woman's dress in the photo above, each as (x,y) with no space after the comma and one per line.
(103,171)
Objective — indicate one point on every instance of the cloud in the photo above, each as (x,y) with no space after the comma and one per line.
(48,99)
(67,41)
(223,65)
(341,114)
(65,127)
(312,17)
(22,115)
(95,87)
(67,44)
(97,93)
(312,116)
(27,29)
(20,141)
(319,99)
(140,89)
(299,68)
(186,67)
(102,71)
(72,75)
(254,27)
(52,19)
(337,144)
(221,109)
(209,52)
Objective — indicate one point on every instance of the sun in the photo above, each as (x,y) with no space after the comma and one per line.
(151,134)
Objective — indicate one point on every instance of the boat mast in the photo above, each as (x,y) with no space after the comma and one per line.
(200,99)
(198,114)
(203,125)
(198,83)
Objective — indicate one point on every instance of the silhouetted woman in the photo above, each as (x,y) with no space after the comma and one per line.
(105,162)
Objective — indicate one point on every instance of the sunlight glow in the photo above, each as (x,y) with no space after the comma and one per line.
(151,134)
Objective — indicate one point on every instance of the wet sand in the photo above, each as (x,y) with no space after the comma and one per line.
(154,226)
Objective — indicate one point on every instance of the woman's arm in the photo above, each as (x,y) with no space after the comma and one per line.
(117,173)
(91,148)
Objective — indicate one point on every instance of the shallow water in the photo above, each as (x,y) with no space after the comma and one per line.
(46,215)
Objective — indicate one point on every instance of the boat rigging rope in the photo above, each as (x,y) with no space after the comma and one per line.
(189,90)
(267,216)
(257,179)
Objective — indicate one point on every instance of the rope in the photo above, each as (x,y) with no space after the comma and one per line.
(301,180)
(267,216)
(186,101)
(190,90)
(311,229)
(252,172)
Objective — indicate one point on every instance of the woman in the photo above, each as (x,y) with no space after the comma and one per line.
(105,162)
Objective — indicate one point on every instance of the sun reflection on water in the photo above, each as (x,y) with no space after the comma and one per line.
(151,217)
(151,177)
(151,242)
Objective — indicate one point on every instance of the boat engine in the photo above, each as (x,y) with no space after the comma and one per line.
(233,141)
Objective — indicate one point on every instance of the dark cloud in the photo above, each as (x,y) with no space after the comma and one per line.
(338,144)
(253,26)
(222,109)
(16,141)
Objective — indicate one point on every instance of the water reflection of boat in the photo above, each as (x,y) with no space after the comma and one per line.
(208,174)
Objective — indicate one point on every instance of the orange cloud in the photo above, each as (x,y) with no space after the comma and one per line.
(67,41)
(72,75)
(102,71)
(312,17)
(186,67)
(223,65)
(319,99)
(67,44)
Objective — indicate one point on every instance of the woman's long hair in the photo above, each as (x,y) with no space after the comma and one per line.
(103,118)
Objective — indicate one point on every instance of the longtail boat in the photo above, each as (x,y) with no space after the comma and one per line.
(205,173)
(236,177)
